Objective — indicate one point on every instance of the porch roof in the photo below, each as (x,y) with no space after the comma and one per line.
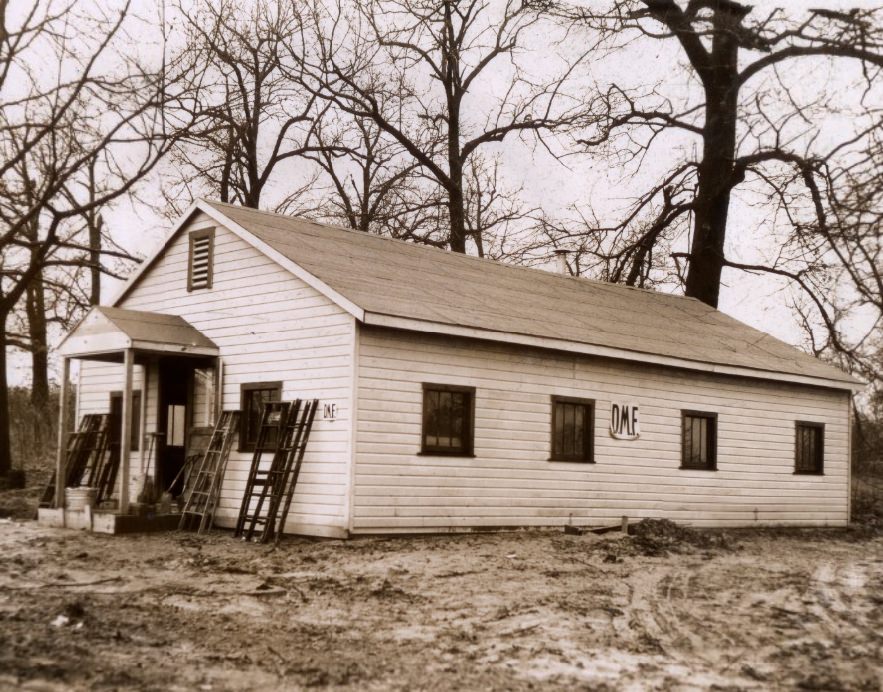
(105,332)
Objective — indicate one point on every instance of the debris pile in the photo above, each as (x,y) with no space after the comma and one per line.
(661,536)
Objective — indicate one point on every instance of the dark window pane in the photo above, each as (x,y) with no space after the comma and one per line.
(579,430)
(809,448)
(798,452)
(252,409)
(698,441)
(688,440)
(568,430)
(446,420)
(457,422)
(444,435)
(432,419)
(571,434)
(558,444)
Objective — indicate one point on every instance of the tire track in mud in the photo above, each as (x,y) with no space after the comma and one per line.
(660,616)
(811,623)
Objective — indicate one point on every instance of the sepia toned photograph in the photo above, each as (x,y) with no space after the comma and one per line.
(441,345)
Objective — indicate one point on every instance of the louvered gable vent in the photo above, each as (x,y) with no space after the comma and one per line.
(199,274)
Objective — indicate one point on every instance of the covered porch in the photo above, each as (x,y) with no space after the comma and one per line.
(157,379)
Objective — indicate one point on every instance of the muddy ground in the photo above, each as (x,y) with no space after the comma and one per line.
(524,610)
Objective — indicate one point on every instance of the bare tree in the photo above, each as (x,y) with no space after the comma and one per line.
(497,220)
(244,116)
(421,70)
(55,127)
(835,253)
(729,53)
(367,182)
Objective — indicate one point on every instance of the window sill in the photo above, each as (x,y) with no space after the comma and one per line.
(697,468)
(570,461)
(809,473)
(429,453)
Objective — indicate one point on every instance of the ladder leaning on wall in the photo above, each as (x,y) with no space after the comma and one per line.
(273,418)
(202,495)
(84,459)
(268,496)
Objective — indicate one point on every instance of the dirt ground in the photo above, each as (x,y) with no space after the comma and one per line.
(511,611)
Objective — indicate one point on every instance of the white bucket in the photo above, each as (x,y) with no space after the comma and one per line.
(78,498)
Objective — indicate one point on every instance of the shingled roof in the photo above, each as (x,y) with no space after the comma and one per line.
(434,290)
(110,330)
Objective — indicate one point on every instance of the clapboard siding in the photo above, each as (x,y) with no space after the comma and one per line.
(510,482)
(269,326)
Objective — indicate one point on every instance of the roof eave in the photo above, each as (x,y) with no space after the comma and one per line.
(393,322)
(379,319)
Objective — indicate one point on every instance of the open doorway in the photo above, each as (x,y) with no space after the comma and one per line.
(174,379)
(185,416)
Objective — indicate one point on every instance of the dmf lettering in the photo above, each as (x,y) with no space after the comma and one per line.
(624,421)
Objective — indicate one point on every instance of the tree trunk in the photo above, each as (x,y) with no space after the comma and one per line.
(711,207)
(227,170)
(456,202)
(712,200)
(451,66)
(457,212)
(5,445)
(35,305)
(95,223)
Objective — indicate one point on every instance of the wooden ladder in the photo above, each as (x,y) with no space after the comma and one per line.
(202,499)
(273,418)
(103,471)
(281,480)
(85,452)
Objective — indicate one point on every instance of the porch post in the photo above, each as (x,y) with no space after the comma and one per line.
(126,433)
(145,395)
(219,389)
(62,431)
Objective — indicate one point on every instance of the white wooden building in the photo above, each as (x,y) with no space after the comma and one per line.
(458,392)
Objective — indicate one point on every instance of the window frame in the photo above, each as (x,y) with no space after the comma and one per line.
(136,433)
(820,452)
(588,453)
(245,390)
(210,272)
(711,443)
(467,447)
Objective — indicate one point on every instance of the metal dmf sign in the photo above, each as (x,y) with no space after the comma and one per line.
(624,421)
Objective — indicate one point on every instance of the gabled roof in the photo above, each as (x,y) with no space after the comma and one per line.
(107,330)
(398,284)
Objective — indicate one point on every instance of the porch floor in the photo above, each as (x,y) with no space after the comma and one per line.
(104,521)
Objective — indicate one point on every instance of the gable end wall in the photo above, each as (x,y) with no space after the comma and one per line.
(269,325)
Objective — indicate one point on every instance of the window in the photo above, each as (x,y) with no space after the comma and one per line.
(199,268)
(116,414)
(176,424)
(573,424)
(204,397)
(448,419)
(699,443)
(809,447)
(254,396)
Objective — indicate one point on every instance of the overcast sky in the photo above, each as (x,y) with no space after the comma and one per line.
(758,301)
